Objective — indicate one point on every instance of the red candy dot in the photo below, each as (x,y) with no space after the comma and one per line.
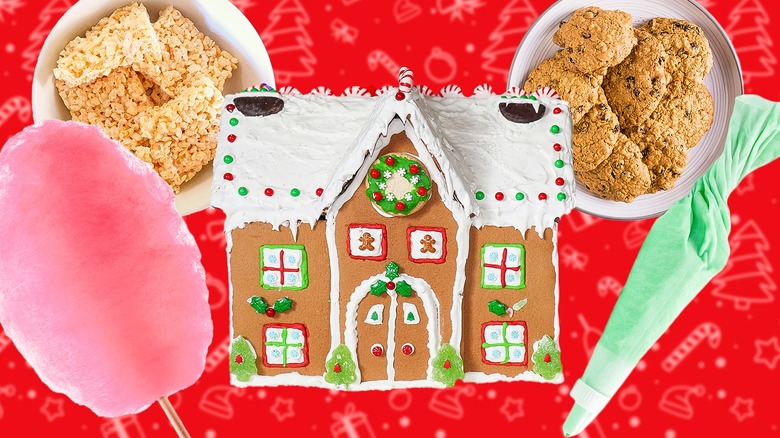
(319,192)
(377,196)
(376,350)
(391,285)
(559,181)
(557,111)
(337,368)
(239,359)
(400,206)
(270,312)
(547,358)
(447,364)
(399,96)
(415,169)
(375,173)
(231,138)
(557,147)
(269,192)
(542,196)
(422,191)
(228,176)
(230,107)
(407,349)
(390,161)
(499,196)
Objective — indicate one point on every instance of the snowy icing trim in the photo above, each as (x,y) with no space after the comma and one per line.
(356,91)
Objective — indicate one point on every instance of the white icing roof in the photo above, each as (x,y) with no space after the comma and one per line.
(319,141)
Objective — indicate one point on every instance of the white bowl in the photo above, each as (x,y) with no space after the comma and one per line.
(218,19)
(724,82)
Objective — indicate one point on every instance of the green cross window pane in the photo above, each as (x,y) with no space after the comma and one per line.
(504,343)
(284,345)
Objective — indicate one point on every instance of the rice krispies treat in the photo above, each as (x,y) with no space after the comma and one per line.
(124,38)
(186,54)
(111,102)
(182,133)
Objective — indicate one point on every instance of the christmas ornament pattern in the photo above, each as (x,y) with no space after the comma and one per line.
(713,373)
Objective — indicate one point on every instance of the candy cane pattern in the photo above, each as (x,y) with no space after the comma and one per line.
(378,57)
(217,355)
(405,80)
(19,106)
(707,330)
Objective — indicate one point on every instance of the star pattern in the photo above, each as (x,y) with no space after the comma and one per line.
(512,408)
(767,352)
(283,408)
(53,409)
(742,408)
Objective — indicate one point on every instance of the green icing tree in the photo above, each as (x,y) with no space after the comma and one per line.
(340,368)
(547,358)
(447,366)
(242,359)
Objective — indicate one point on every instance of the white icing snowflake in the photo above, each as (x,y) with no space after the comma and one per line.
(390,197)
(414,180)
(408,197)
(382,186)
(401,172)
(387,174)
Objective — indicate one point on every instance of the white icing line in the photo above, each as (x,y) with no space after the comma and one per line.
(391,319)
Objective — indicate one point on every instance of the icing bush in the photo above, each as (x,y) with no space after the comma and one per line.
(447,366)
(242,359)
(547,358)
(340,368)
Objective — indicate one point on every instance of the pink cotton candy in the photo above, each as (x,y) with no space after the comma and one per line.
(101,285)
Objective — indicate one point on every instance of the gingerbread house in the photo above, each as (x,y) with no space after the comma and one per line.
(393,240)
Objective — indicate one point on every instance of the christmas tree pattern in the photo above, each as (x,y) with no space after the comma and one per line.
(9,7)
(288,43)
(746,279)
(748,29)
(243,4)
(515,19)
(46,20)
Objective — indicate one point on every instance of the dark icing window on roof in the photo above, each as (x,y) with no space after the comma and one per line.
(522,112)
(258,106)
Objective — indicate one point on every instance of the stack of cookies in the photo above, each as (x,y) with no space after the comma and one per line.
(154,87)
(637,96)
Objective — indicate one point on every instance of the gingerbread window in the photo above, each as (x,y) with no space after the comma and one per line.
(503,266)
(367,241)
(284,267)
(427,244)
(374,316)
(504,343)
(285,346)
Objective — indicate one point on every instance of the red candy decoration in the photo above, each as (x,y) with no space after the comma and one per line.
(228,176)
(375,173)
(270,312)
(407,349)
(422,191)
(239,359)
(542,196)
(547,358)
(376,350)
(557,147)
(400,206)
(390,285)
(377,196)
(399,96)
(499,196)
(319,191)
(415,169)
(230,107)
(559,181)
(447,364)
(390,161)
(557,111)
(269,192)
(231,138)
(337,368)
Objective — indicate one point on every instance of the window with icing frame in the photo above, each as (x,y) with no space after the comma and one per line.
(374,315)
(285,346)
(503,266)
(505,343)
(284,267)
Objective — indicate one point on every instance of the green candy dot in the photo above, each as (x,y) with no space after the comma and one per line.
(295,193)
(242,191)
(233,121)
(519,196)
(561,196)
(555,129)
(480,196)
(228,159)
(532,97)
(559,164)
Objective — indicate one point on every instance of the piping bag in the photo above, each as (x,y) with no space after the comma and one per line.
(686,247)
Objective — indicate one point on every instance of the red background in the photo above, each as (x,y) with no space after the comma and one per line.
(723,386)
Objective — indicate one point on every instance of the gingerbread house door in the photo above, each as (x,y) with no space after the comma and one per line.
(393,328)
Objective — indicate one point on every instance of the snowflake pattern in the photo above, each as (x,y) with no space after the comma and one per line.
(390,197)
(387,174)
(382,186)
(401,172)
(414,180)
(408,197)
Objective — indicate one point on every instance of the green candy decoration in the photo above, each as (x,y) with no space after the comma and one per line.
(480,196)
(295,193)
(547,358)
(283,304)
(340,368)
(258,303)
(403,289)
(497,307)
(520,196)
(448,366)
(242,191)
(392,270)
(559,164)
(378,288)
(233,121)
(398,166)
(242,359)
